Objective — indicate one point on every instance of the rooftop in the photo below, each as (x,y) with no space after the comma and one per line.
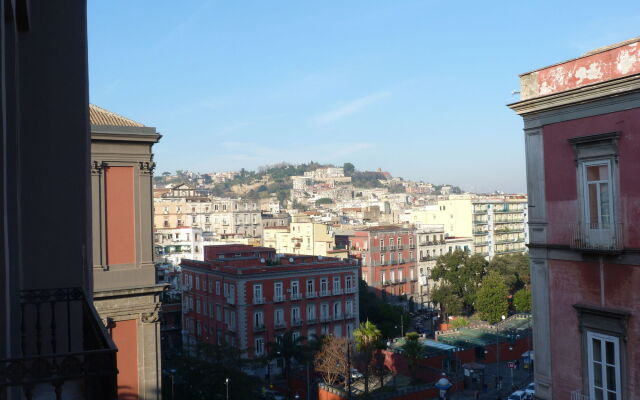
(604,64)
(100,116)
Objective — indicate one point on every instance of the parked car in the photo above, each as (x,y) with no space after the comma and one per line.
(531,386)
(518,395)
(355,374)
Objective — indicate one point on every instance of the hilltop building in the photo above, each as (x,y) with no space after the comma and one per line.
(582,134)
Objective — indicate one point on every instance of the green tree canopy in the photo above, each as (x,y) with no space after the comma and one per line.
(461,275)
(514,268)
(491,299)
(348,168)
(367,338)
(324,200)
(522,300)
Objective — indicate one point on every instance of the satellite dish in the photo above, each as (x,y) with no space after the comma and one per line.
(290,259)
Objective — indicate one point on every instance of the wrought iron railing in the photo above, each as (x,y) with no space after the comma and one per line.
(578,395)
(65,350)
(596,238)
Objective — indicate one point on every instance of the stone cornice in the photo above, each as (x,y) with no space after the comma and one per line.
(130,291)
(583,94)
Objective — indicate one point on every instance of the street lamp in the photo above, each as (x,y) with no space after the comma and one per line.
(172,372)
(226,383)
(498,355)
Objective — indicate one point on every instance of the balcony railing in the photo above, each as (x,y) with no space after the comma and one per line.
(296,296)
(480,222)
(607,238)
(311,295)
(337,317)
(325,318)
(349,315)
(259,328)
(279,298)
(65,350)
(337,292)
(280,325)
(392,248)
(324,293)
(311,321)
(350,290)
(258,300)
(480,232)
(578,395)
(296,322)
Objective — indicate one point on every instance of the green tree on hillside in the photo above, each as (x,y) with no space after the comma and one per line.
(348,169)
(460,275)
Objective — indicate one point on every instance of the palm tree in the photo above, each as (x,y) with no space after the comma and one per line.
(290,349)
(367,337)
(413,352)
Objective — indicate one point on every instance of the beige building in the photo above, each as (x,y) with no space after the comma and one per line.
(124,279)
(496,224)
(303,236)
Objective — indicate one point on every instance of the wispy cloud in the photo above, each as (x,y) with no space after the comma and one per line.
(349,108)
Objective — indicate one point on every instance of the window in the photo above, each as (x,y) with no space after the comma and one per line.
(381,243)
(295,314)
(310,286)
(337,310)
(400,275)
(324,310)
(197,283)
(348,281)
(226,289)
(604,366)
(218,288)
(382,277)
(392,275)
(381,259)
(348,305)
(277,291)
(311,311)
(336,284)
(324,285)
(295,288)
(279,317)
(258,319)
(198,306)
(232,322)
(257,291)
(259,346)
(399,241)
(218,312)
(597,194)
(232,293)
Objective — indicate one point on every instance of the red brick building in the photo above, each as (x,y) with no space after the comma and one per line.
(388,258)
(247,296)
(582,133)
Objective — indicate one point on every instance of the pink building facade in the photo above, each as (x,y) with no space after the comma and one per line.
(248,296)
(388,258)
(582,134)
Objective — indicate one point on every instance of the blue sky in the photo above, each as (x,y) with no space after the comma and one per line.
(417,88)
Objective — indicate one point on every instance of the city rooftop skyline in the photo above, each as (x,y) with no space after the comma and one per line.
(418,88)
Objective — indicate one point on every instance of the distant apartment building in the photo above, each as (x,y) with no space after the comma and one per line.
(125,292)
(499,228)
(430,241)
(582,134)
(388,260)
(270,220)
(248,296)
(303,236)
(227,218)
(496,224)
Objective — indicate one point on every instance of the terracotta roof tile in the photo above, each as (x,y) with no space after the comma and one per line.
(100,116)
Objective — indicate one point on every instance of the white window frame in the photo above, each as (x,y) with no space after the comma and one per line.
(257,291)
(336,284)
(258,319)
(259,346)
(591,336)
(585,193)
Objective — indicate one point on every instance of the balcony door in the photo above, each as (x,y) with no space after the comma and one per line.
(598,200)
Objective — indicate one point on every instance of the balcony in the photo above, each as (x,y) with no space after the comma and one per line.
(325,293)
(400,247)
(311,320)
(337,317)
(349,290)
(480,222)
(349,315)
(337,292)
(393,248)
(278,298)
(509,221)
(577,395)
(258,300)
(412,246)
(383,248)
(603,238)
(66,352)
(296,296)
(479,211)
(296,322)
(429,258)
(325,318)
(507,251)
(259,328)
(280,325)
(312,295)
(480,232)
